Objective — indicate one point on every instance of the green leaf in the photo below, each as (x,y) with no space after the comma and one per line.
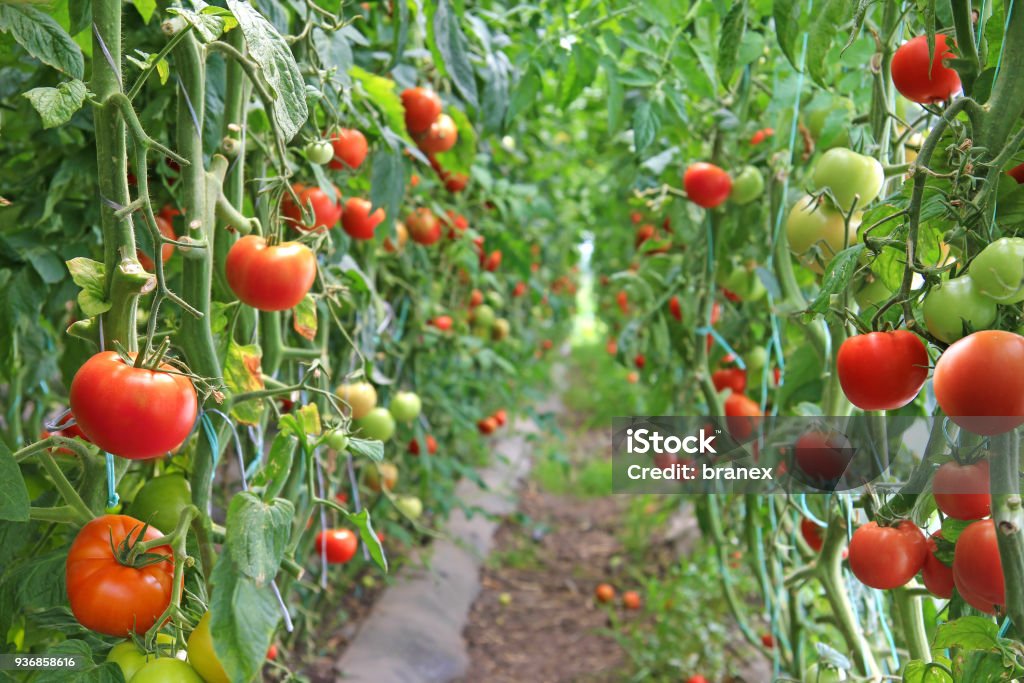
(242,374)
(387,183)
(401,33)
(257,533)
(304,318)
(859,16)
(146,8)
(952,528)
(90,276)
(14,502)
(615,93)
(274,473)
(838,276)
(495,102)
(361,520)
(309,415)
(243,619)
(374,450)
(969,633)
(733,27)
(43,38)
(208,26)
(336,53)
(268,49)
(382,94)
(787,27)
(645,126)
(824,26)
(57,105)
(524,94)
(451,44)
(919,672)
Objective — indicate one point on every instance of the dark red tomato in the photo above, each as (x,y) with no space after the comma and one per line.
(441,136)
(357,220)
(326,208)
(812,534)
(487,425)
(414,445)
(455,182)
(768,640)
(937,577)
(643,233)
(442,322)
(962,491)
(730,378)
(731,295)
(166,250)
(743,416)
(622,299)
(675,309)
(349,149)
(977,567)
(106,594)
(135,413)
(422,107)
(882,370)
(823,456)
(1017,173)
(640,361)
(706,184)
(716,313)
(423,226)
(979,382)
(270,278)
(519,290)
(338,545)
(493,261)
(761,135)
(922,77)
(887,557)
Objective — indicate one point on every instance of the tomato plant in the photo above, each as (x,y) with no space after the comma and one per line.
(920,71)
(270,277)
(707,185)
(887,557)
(338,545)
(882,370)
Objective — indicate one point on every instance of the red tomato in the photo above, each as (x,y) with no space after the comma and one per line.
(730,378)
(696,678)
(326,211)
(887,557)
(441,136)
(612,347)
(492,261)
(675,309)
(768,640)
(882,370)
(623,301)
(962,491)
(979,382)
(978,568)
(422,107)
(339,545)
(731,295)
(455,182)
(135,413)
(519,290)
(812,534)
(500,416)
(423,225)
(476,297)
(823,456)
(636,217)
(1017,173)
(272,652)
(442,322)
(643,233)
(921,77)
(761,135)
(631,600)
(743,416)
(357,220)
(716,313)
(937,577)
(166,251)
(70,432)
(349,149)
(706,184)
(457,224)
(640,361)
(270,278)
(487,425)
(108,596)
(414,445)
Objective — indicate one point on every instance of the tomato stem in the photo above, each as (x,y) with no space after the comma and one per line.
(1008,515)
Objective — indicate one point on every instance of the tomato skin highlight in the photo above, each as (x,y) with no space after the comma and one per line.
(887,557)
(706,185)
(882,370)
(106,596)
(350,149)
(978,567)
(339,545)
(962,491)
(921,77)
(135,413)
(270,278)
(979,382)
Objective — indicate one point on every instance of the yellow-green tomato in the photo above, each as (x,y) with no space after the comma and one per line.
(814,226)
(483,317)
(745,283)
(410,506)
(377,424)
(131,658)
(405,406)
(747,186)
(998,271)
(168,670)
(201,654)
(849,176)
(953,303)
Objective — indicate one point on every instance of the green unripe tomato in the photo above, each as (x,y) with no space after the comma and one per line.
(756,359)
(483,317)
(337,440)
(745,284)
(168,670)
(954,302)
(410,506)
(202,655)
(849,175)
(130,658)
(378,424)
(319,152)
(811,225)
(160,501)
(747,186)
(495,299)
(998,271)
(405,406)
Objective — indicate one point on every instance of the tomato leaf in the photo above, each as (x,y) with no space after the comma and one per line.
(208,27)
(733,27)
(787,26)
(14,502)
(645,126)
(382,95)
(244,615)
(387,184)
(374,450)
(268,49)
(823,29)
(361,520)
(257,533)
(304,318)
(615,93)
(242,374)
(969,633)
(57,105)
(43,38)
(310,416)
(918,672)
(89,275)
(274,473)
(450,43)
(838,275)
(524,94)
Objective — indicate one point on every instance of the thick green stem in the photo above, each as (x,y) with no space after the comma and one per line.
(1004,107)
(1008,515)
(970,66)
(908,608)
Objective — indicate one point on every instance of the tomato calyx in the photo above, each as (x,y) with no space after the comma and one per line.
(135,553)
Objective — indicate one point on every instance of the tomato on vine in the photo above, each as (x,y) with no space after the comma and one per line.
(360,397)
(201,654)
(978,567)
(358,221)
(936,575)
(424,227)
(979,382)
(161,500)
(747,186)
(422,107)
(814,229)
(887,557)
(919,71)
(962,491)
(350,149)
(882,370)
(326,207)
(338,545)
(319,152)
(998,271)
(849,177)
(706,185)
(168,670)
(270,277)
(955,304)
(430,441)
(441,136)
(730,378)
(743,416)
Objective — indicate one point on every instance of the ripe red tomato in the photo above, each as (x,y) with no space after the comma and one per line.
(422,107)
(978,568)
(696,678)
(487,425)
(414,445)
(163,222)
(640,361)
(272,652)
(921,77)
(631,600)
(339,545)
(760,136)
(441,136)
(500,416)
(423,225)
(937,577)
(887,557)
(622,299)
(442,322)
(455,182)
(357,220)
(882,370)
(979,382)
(675,309)
(349,149)
(326,211)
(604,593)
(730,378)
(1017,173)
(108,596)
(493,260)
(707,185)
(135,413)
(643,233)
(768,640)
(812,534)
(823,456)
(743,416)
(270,278)
(519,290)
(961,491)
